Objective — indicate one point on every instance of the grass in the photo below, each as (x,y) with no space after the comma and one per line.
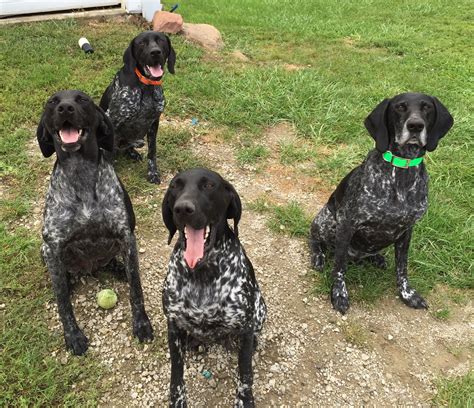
(356,334)
(252,154)
(289,219)
(350,55)
(456,392)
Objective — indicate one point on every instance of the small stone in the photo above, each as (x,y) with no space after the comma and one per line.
(212,383)
(364,357)
(141,250)
(390,337)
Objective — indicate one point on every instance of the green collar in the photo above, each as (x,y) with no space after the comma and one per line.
(396,161)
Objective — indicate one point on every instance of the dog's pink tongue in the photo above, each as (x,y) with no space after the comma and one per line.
(194,246)
(156,71)
(69,135)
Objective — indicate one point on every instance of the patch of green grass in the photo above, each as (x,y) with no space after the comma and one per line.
(290,153)
(29,375)
(365,283)
(455,392)
(289,219)
(252,154)
(356,334)
(442,314)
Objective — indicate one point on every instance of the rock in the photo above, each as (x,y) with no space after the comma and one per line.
(205,35)
(242,57)
(167,22)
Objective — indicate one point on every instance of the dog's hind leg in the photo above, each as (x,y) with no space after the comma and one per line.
(133,154)
(75,340)
(409,296)
(153,172)
(244,396)
(177,347)
(141,324)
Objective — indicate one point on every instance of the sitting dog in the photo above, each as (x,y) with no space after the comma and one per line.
(378,203)
(88,216)
(210,292)
(134,100)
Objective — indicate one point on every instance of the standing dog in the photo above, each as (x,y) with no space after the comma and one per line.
(134,100)
(378,203)
(210,292)
(88,216)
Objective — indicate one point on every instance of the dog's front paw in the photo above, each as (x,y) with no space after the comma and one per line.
(339,296)
(411,298)
(142,328)
(154,177)
(76,341)
(244,397)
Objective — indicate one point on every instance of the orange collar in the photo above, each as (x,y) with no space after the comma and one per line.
(145,80)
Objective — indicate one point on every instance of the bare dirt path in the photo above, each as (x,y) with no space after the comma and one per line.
(308,355)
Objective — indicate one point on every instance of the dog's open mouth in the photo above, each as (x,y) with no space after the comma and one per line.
(70,134)
(155,71)
(196,240)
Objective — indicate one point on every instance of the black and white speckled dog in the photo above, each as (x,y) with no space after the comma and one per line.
(134,100)
(378,203)
(210,292)
(88,216)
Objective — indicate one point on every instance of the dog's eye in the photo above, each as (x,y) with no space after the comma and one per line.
(426,106)
(401,107)
(82,99)
(53,101)
(208,185)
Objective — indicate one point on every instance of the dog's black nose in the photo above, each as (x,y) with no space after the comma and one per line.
(184,207)
(415,125)
(155,53)
(65,107)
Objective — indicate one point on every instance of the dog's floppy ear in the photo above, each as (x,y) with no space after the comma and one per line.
(105,131)
(376,124)
(167,214)
(129,61)
(45,139)
(234,210)
(443,122)
(171,57)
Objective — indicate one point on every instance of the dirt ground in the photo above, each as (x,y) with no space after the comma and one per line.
(308,355)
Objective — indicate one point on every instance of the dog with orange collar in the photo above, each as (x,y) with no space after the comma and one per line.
(134,100)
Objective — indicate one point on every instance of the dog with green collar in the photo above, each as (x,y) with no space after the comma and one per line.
(378,203)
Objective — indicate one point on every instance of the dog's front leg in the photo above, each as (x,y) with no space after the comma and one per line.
(177,347)
(75,340)
(339,295)
(408,295)
(244,397)
(141,324)
(153,172)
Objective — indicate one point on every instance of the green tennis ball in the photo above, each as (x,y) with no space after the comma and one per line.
(106,298)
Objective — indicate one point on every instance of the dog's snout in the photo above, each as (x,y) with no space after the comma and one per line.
(155,52)
(66,107)
(415,125)
(184,207)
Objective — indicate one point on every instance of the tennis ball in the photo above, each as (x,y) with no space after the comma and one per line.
(106,298)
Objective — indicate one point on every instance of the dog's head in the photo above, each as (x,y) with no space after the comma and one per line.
(72,122)
(149,51)
(198,203)
(409,118)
